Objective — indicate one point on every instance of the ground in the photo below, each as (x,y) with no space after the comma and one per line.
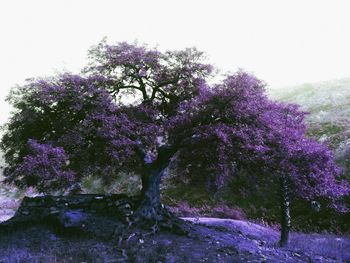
(72,230)
(211,240)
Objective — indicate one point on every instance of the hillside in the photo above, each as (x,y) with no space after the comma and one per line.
(328,103)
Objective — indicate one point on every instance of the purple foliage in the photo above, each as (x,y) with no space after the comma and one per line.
(72,126)
(78,116)
(44,167)
(235,126)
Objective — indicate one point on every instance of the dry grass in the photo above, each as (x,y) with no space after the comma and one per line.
(57,255)
(315,245)
(332,246)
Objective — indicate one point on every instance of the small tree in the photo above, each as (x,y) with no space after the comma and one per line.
(68,127)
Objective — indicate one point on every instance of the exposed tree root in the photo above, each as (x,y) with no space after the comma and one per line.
(160,218)
(148,221)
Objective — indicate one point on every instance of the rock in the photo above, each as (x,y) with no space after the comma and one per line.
(89,214)
(72,218)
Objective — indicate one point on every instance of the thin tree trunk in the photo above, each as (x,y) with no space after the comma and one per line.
(285,212)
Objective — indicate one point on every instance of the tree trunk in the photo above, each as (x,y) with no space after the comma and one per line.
(150,212)
(150,205)
(285,212)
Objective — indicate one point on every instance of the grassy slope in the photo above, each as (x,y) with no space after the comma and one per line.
(328,104)
(327,101)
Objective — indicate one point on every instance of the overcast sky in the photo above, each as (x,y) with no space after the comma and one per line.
(282,42)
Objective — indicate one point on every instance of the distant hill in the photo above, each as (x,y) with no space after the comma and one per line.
(328,103)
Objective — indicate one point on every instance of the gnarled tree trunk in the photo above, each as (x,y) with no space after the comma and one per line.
(285,212)
(150,212)
(150,207)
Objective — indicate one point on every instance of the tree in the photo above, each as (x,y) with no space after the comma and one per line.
(71,126)
(86,121)
(238,128)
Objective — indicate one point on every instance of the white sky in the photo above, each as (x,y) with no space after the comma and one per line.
(282,42)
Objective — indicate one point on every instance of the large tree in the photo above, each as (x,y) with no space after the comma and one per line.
(135,109)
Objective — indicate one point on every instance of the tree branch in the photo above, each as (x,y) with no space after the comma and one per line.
(162,84)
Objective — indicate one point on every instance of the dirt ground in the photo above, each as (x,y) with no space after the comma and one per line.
(211,240)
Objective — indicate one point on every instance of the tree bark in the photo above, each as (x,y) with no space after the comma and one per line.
(285,212)
(150,207)
(150,204)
